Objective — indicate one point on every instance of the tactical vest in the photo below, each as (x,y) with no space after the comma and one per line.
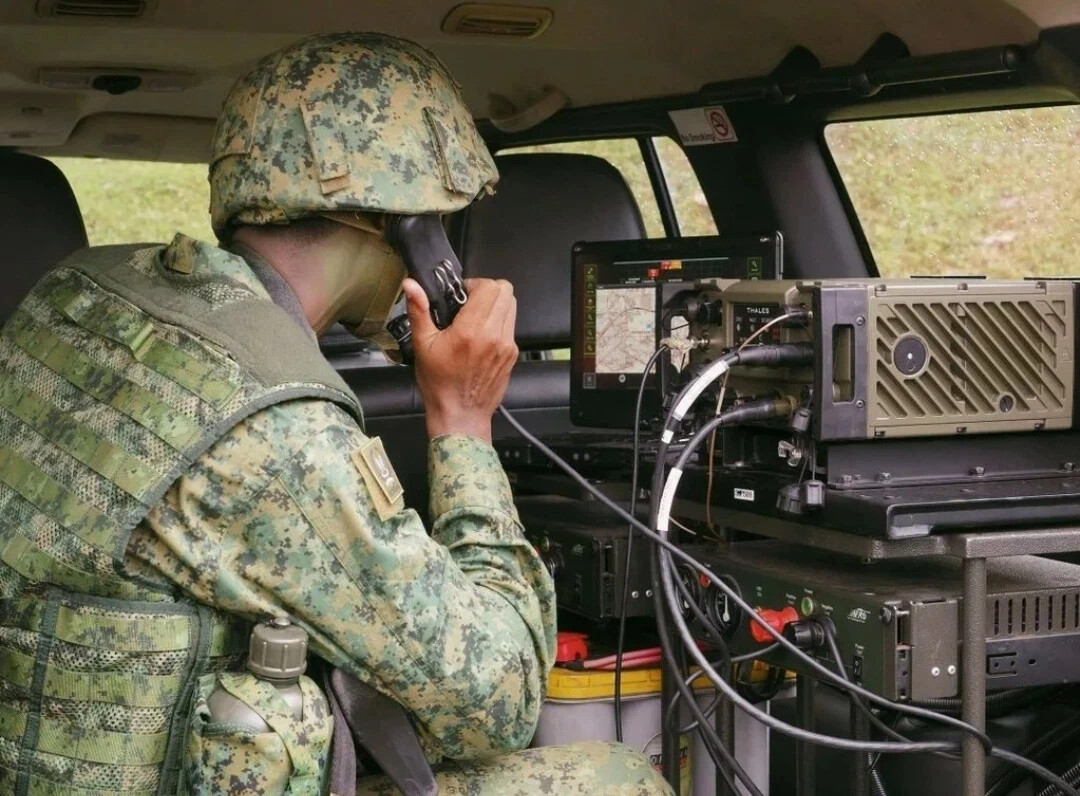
(122,367)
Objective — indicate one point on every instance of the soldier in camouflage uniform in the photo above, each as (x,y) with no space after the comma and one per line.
(177,459)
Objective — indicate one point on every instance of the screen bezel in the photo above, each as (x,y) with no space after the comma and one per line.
(614,407)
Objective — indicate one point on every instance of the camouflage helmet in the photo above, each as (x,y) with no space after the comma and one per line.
(347,121)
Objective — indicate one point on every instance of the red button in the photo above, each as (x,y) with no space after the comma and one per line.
(777,620)
(571,646)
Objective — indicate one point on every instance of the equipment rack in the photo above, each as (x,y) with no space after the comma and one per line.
(973,548)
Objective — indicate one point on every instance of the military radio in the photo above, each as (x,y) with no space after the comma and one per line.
(429,259)
(931,404)
(917,358)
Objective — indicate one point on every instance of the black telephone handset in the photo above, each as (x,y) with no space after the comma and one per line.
(423,245)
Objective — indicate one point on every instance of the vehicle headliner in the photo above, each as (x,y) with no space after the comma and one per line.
(594,51)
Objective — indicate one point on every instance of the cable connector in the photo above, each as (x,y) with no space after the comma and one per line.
(776,356)
(806,634)
(685,343)
(761,409)
(797,315)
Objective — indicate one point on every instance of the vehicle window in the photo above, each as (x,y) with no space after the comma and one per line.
(994,193)
(625,155)
(129,201)
(691,208)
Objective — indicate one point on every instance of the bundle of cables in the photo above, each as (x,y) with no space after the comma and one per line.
(670,599)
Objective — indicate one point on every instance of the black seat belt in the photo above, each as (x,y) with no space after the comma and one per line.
(378,726)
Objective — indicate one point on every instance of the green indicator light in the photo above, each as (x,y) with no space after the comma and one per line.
(806,605)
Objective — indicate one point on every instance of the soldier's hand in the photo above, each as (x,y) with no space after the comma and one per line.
(462,370)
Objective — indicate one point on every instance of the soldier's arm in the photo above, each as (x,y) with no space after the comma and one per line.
(282,516)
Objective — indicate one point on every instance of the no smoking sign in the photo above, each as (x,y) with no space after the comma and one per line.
(699,126)
(718,120)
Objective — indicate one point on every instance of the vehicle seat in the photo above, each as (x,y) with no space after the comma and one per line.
(544,203)
(40,223)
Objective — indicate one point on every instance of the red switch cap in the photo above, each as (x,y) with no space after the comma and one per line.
(571,647)
(777,620)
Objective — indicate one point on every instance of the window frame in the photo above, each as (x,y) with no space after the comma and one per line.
(784,133)
(654,169)
(661,192)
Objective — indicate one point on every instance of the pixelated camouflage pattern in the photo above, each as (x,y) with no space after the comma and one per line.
(586,769)
(101,403)
(458,626)
(346,121)
(200,269)
(230,759)
(273,519)
(111,689)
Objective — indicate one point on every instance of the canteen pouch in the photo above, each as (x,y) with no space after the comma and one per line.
(292,759)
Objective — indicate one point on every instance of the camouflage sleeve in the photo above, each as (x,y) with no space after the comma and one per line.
(283,515)
(475,518)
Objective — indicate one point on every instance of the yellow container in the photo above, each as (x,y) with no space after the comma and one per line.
(580,707)
(571,684)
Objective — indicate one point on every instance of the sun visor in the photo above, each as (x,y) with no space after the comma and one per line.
(31,120)
(133,136)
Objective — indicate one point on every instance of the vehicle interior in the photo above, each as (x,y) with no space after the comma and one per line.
(882,138)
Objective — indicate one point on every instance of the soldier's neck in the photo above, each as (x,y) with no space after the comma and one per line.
(281,292)
(312,278)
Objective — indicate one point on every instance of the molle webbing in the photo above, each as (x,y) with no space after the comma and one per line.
(101,455)
(125,375)
(116,374)
(112,318)
(101,382)
(91,688)
(98,481)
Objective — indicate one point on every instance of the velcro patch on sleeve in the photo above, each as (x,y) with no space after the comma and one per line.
(374,465)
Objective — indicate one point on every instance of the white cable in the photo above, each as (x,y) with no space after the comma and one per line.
(708,376)
(667,498)
(717,369)
(648,742)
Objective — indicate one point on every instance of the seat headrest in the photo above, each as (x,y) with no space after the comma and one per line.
(40,223)
(543,205)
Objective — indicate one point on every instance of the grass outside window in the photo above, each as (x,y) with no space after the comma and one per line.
(995,193)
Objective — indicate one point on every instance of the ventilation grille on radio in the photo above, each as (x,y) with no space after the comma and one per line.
(489,19)
(983,360)
(102,9)
(1034,614)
